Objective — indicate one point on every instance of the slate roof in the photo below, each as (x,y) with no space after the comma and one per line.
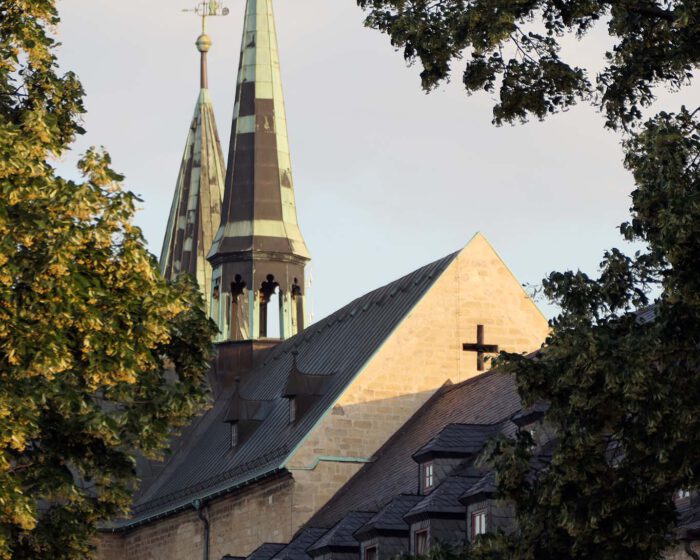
(203,464)
(486,399)
(340,537)
(689,517)
(390,517)
(265,551)
(296,549)
(484,487)
(443,501)
(457,440)
(530,414)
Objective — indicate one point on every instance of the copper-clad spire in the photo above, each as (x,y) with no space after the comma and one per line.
(196,209)
(259,253)
(259,212)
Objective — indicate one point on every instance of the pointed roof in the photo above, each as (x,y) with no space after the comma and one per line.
(259,211)
(195,213)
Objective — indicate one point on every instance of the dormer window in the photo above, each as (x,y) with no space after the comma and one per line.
(303,390)
(478,523)
(682,494)
(234,435)
(428,476)
(292,409)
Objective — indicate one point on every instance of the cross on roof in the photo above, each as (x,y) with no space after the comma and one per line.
(480,348)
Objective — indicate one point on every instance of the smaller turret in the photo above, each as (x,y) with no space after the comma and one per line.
(195,213)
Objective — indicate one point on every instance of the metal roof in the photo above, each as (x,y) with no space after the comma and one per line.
(195,212)
(203,464)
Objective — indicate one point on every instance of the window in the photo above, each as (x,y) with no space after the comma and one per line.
(234,435)
(371,552)
(478,522)
(421,542)
(428,476)
(682,494)
(292,409)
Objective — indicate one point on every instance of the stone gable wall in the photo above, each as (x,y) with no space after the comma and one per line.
(422,354)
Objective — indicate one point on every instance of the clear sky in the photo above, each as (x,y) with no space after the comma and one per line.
(387,178)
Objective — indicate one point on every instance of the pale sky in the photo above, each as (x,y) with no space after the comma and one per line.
(387,178)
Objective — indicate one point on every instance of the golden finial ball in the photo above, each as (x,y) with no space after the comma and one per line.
(203,43)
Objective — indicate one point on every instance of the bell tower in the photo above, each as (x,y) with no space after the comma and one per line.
(258,255)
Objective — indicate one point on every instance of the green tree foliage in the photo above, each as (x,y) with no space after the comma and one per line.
(100,357)
(624,389)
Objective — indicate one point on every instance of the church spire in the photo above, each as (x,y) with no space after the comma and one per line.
(196,208)
(259,253)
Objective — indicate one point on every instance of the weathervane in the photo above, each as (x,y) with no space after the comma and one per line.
(212,8)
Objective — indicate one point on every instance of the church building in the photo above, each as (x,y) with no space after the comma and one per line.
(295,417)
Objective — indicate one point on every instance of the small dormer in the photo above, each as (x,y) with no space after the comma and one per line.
(480,503)
(244,416)
(438,458)
(302,390)
(531,420)
(485,513)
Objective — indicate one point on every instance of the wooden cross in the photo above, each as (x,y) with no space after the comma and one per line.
(480,348)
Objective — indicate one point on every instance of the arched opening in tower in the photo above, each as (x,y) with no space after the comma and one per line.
(270,302)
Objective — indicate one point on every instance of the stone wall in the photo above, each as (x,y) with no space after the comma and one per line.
(237,522)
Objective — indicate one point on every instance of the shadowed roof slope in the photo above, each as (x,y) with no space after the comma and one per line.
(487,399)
(390,518)
(204,465)
(296,549)
(340,538)
(444,500)
(265,551)
(457,440)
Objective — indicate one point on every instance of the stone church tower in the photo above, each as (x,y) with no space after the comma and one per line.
(196,209)
(258,255)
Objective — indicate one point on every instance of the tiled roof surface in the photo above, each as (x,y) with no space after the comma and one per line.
(390,517)
(265,551)
(339,346)
(457,440)
(486,399)
(530,414)
(444,500)
(486,486)
(296,549)
(341,535)
(689,517)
